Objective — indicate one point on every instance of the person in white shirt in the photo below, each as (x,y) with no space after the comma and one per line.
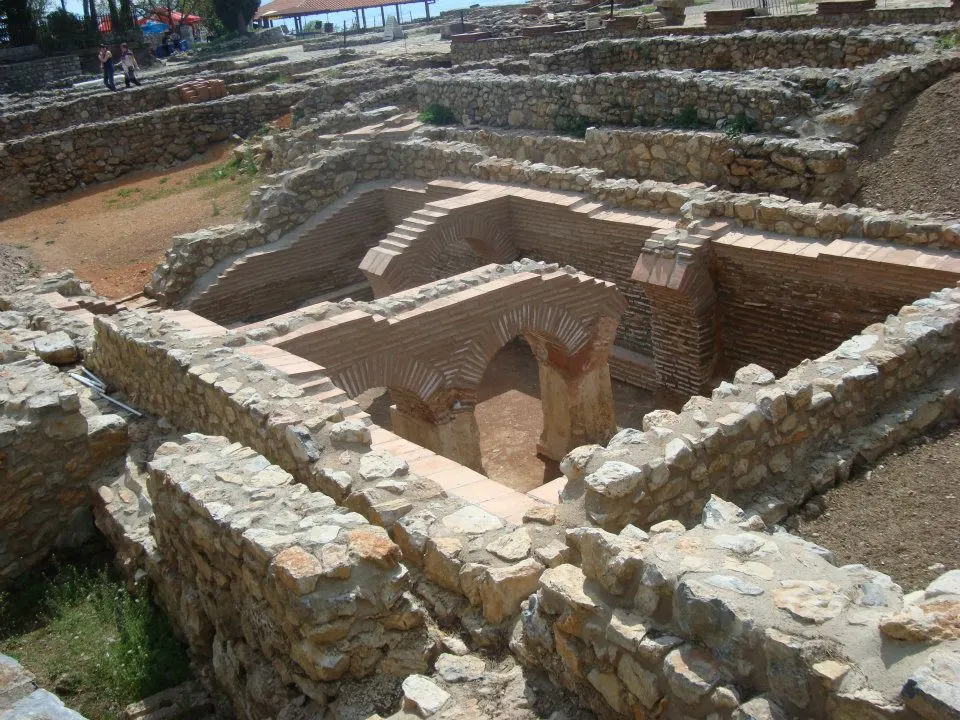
(129,64)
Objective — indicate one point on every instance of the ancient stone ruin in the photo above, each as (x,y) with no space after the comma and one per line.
(320,562)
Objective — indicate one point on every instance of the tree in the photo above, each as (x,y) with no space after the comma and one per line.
(21,22)
(236,14)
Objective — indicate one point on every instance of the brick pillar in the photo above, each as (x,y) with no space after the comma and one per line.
(674,271)
(575,392)
(454,435)
(577,410)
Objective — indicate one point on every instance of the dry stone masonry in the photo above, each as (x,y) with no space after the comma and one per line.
(320,566)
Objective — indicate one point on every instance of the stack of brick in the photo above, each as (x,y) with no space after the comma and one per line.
(202,90)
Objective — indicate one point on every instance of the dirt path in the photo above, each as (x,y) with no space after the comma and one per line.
(902,517)
(114,234)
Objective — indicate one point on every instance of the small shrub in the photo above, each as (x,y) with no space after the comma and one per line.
(687,118)
(575,125)
(739,125)
(437,114)
(948,42)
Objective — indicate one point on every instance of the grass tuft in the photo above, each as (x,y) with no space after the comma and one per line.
(739,125)
(437,114)
(86,638)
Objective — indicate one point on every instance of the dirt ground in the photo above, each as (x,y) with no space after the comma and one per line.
(114,234)
(510,417)
(16,266)
(901,517)
(913,161)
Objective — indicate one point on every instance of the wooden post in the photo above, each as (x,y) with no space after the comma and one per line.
(399,20)
(426,7)
(363,12)
(383,16)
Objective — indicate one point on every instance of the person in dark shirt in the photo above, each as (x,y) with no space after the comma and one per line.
(106,62)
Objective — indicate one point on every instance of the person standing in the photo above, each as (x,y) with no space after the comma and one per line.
(128,62)
(106,62)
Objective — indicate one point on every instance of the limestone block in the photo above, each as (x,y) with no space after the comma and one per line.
(423,697)
(56,348)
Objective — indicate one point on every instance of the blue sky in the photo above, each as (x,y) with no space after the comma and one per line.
(373,16)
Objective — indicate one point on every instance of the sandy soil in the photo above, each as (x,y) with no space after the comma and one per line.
(113,237)
(901,517)
(913,161)
(510,417)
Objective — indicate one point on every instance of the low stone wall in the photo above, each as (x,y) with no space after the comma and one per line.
(92,109)
(893,16)
(44,417)
(331,94)
(760,432)
(833,48)
(869,95)
(491,48)
(158,364)
(44,502)
(21,697)
(275,581)
(38,166)
(804,169)
(35,74)
(563,102)
(731,621)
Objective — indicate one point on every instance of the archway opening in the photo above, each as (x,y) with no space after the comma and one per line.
(510,419)
(376,403)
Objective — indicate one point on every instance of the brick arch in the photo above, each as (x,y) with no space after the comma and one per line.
(539,325)
(437,353)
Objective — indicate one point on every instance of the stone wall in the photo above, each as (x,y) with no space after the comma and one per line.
(93,109)
(810,169)
(440,513)
(732,621)
(35,74)
(833,48)
(293,199)
(758,437)
(562,102)
(890,16)
(331,94)
(488,49)
(867,96)
(44,417)
(41,165)
(274,582)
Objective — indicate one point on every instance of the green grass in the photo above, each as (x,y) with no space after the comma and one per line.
(948,42)
(687,118)
(436,114)
(232,169)
(218,180)
(739,125)
(86,638)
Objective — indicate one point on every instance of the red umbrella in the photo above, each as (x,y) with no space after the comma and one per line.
(175,18)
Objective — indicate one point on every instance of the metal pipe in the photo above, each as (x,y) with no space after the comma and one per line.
(101,393)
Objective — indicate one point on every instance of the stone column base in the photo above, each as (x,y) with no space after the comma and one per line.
(457,438)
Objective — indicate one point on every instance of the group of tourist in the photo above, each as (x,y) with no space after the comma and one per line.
(128,62)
